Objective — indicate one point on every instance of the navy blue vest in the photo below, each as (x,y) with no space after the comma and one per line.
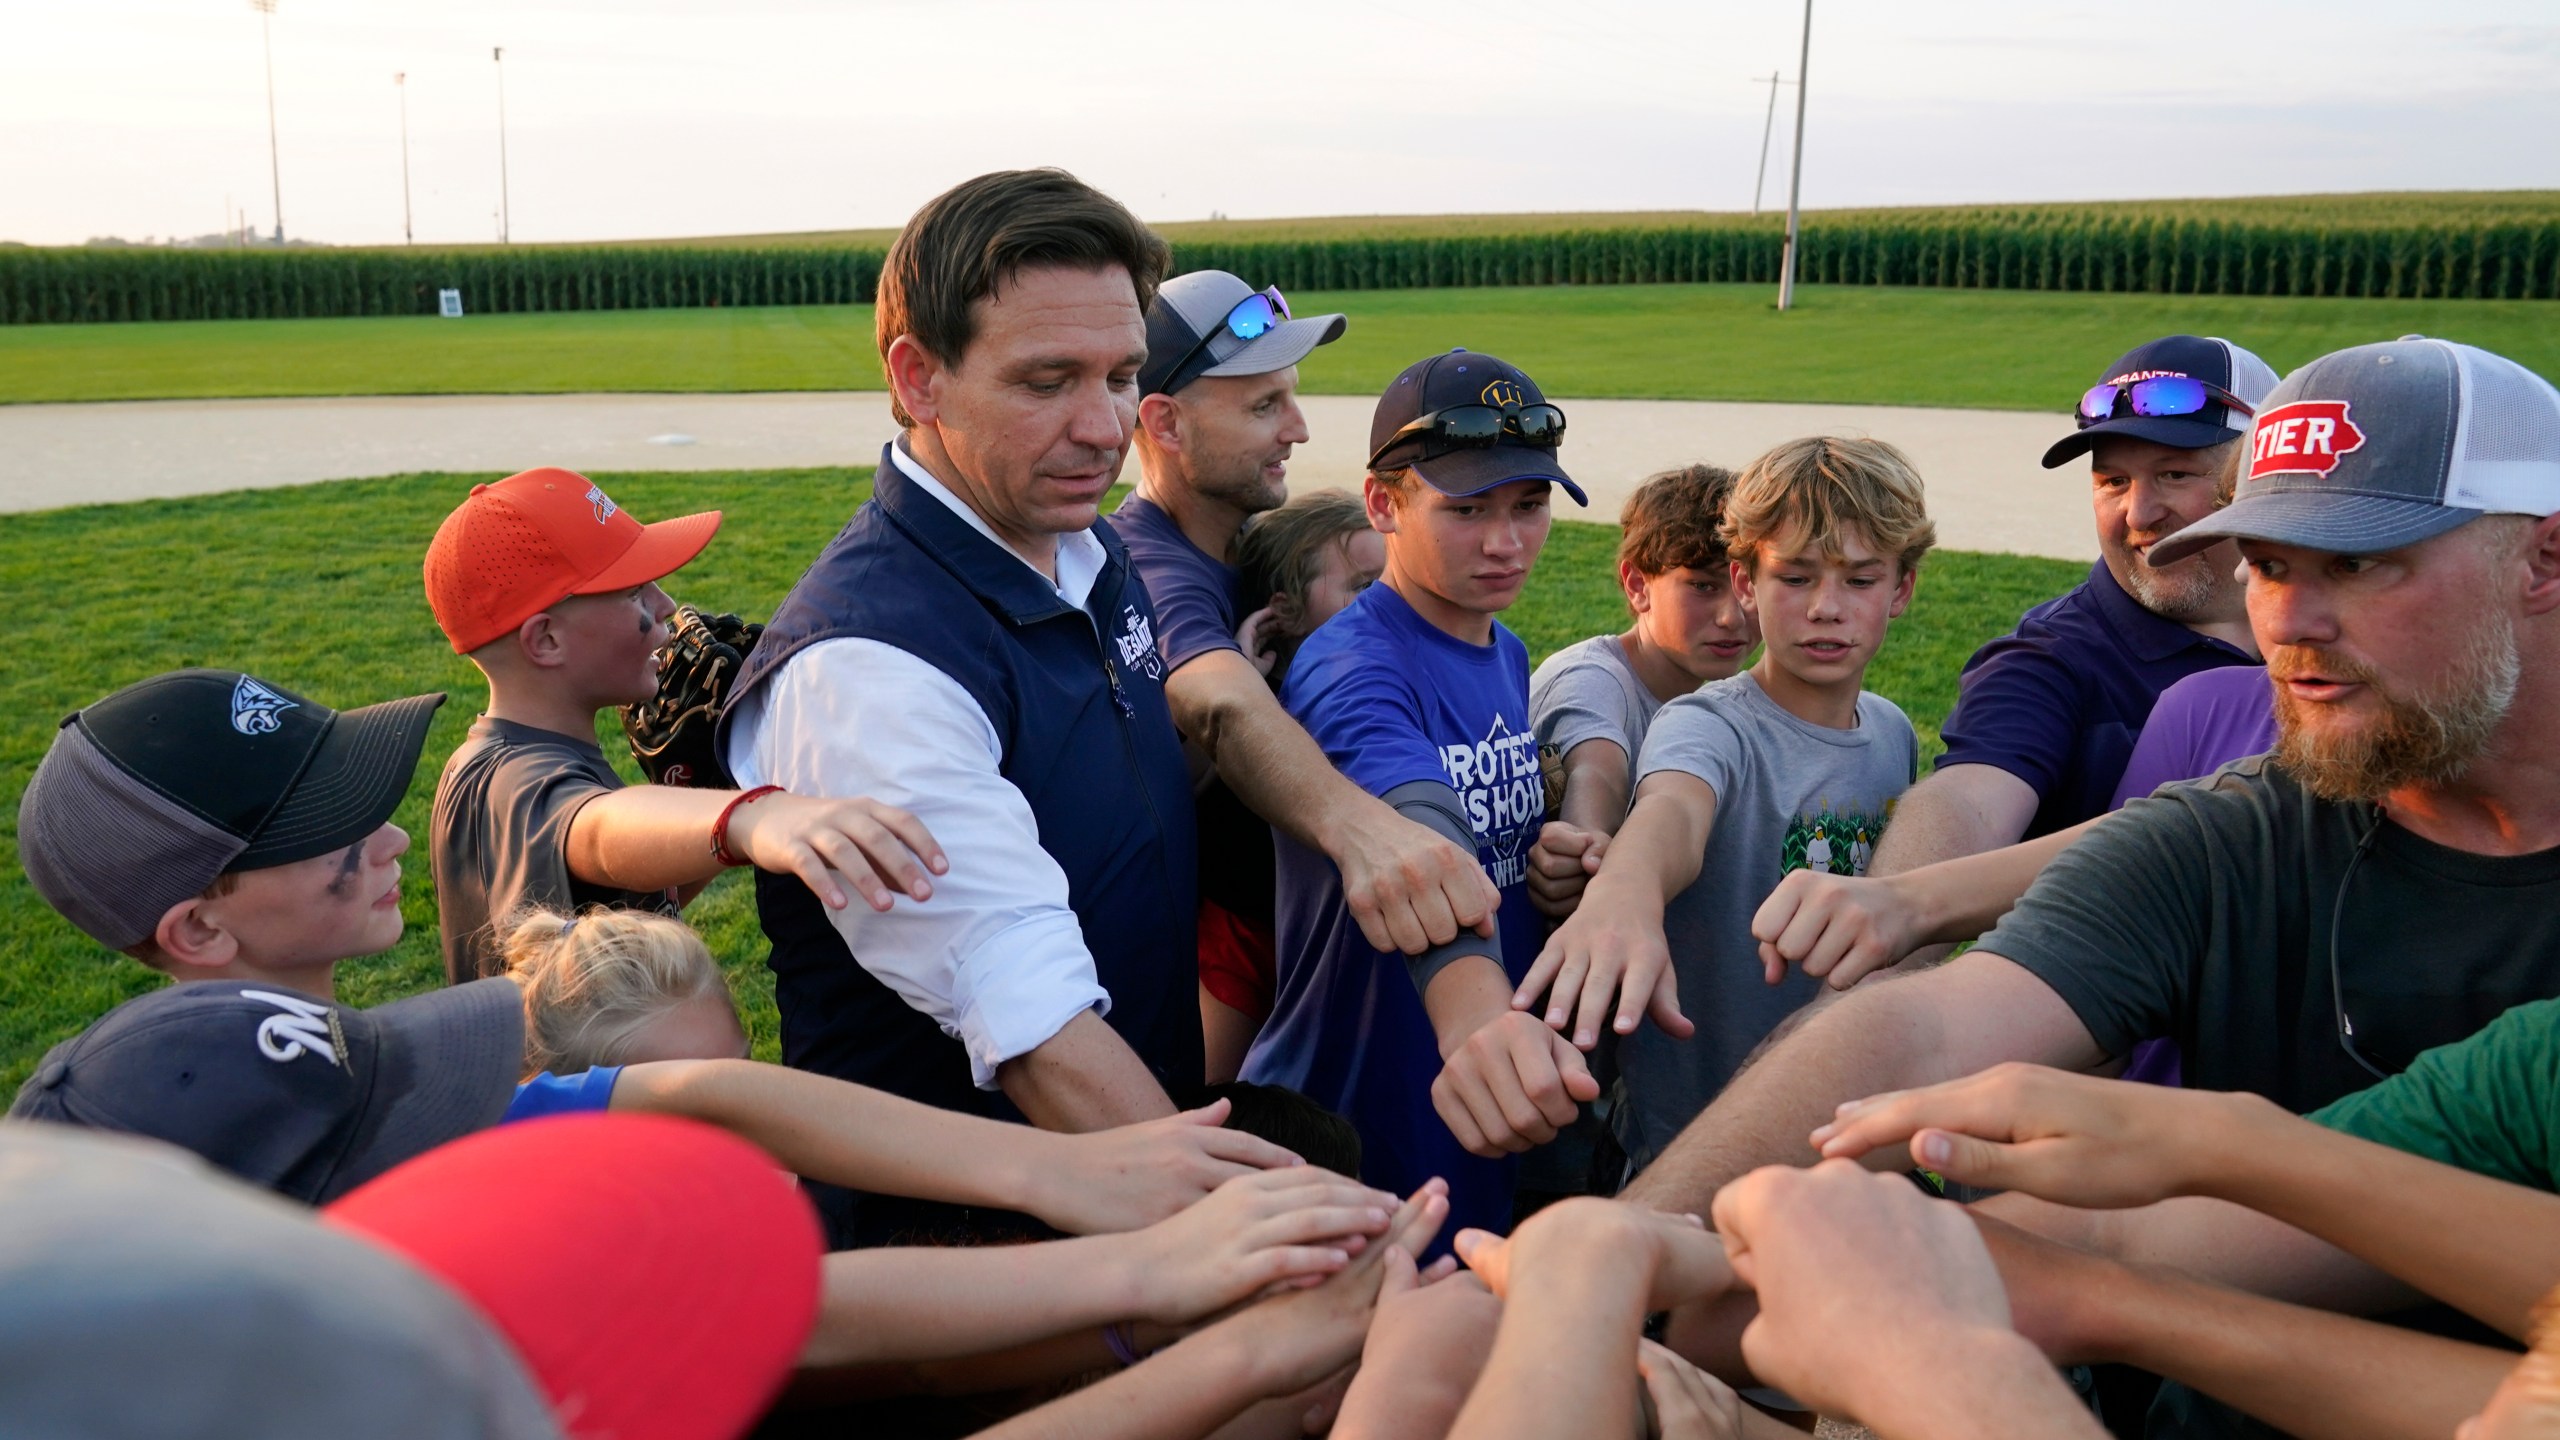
(1077,701)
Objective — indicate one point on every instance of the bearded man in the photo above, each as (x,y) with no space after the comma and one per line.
(2303,923)
(2046,715)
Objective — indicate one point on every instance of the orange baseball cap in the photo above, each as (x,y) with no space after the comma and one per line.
(523,545)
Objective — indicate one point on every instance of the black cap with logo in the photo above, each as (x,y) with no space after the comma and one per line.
(1463,379)
(151,793)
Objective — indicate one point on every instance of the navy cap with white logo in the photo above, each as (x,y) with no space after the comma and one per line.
(2380,446)
(285,1090)
(1463,377)
(2216,362)
(149,795)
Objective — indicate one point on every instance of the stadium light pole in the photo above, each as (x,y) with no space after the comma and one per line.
(1767,124)
(408,220)
(275,172)
(498,57)
(1795,178)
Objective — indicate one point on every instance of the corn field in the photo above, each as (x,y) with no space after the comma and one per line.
(70,286)
(2147,252)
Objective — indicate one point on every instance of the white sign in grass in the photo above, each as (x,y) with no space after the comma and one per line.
(449,304)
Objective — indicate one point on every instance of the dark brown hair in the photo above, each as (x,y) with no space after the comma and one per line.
(1281,552)
(972,238)
(1674,521)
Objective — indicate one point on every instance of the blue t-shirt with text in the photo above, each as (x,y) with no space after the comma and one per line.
(1394,700)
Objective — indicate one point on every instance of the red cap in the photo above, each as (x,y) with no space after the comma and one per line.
(657,1277)
(523,545)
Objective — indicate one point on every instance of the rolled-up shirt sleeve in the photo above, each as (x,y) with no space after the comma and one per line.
(996,957)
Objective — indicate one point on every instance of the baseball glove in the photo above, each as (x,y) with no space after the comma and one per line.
(671,735)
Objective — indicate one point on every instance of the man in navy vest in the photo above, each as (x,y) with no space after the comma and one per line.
(974,646)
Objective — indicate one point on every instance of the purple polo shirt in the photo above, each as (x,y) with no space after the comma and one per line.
(1197,599)
(1195,593)
(2058,701)
(2201,724)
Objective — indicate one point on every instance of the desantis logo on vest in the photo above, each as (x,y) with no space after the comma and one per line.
(2305,435)
(1137,643)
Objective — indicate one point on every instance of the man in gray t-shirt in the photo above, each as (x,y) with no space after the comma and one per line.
(501,837)
(1790,795)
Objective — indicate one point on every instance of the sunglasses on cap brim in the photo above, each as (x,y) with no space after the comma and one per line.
(1250,318)
(2160,395)
(1476,427)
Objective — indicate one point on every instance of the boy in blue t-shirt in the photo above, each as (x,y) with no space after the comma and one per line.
(1422,698)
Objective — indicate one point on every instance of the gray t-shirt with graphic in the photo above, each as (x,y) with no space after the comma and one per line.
(1589,692)
(1790,795)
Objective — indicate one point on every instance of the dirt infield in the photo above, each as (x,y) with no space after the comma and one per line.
(1985,487)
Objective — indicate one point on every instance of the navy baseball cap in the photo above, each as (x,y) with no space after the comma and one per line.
(2380,446)
(1190,306)
(149,795)
(1465,377)
(2215,361)
(285,1090)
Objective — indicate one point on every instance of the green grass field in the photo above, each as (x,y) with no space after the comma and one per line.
(317,588)
(1854,345)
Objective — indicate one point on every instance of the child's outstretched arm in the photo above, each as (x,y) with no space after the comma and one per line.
(864,1139)
(659,837)
(1276,1228)
(1612,949)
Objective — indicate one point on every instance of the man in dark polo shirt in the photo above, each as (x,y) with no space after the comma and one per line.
(1217,420)
(2385,881)
(2046,715)
(974,644)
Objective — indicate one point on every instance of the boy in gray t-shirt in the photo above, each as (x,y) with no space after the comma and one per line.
(1788,765)
(1591,702)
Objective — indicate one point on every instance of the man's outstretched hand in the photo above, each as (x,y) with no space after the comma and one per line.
(1411,888)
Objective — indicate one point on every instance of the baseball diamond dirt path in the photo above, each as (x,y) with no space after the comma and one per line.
(1985,487)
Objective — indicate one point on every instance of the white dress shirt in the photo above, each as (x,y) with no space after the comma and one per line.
(995,957)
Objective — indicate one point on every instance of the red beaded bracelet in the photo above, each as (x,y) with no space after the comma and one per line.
(720,827)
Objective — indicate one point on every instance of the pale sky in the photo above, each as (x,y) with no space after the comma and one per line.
(674,117)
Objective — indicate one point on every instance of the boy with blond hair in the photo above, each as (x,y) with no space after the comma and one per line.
(1789,765)
(551,589)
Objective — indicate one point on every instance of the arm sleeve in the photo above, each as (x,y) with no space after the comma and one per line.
(2481,1104)
(2016,710)
(1578,703)
(2115,923)
(996,957)
(1435,806)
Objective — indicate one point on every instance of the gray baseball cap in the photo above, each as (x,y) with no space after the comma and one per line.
(285,1090)
(1188,336)
(143,1295)
(150,794)
(2382,446)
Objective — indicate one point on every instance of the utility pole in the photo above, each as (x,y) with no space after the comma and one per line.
(1795,179)
(498,57)
(408,222)
(1767,124)
(266,29)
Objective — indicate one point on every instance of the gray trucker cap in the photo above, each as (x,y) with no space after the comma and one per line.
(142,1295)
(2382,446)
(1188,307)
